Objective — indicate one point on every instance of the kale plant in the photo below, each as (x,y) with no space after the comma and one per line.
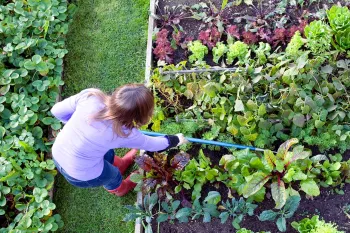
(288,211)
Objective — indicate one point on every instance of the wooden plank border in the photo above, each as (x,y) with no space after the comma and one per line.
(149,54)
(148,70)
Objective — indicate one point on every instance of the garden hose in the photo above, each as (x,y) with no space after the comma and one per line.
(208,142)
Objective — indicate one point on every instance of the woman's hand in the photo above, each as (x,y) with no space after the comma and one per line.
(182,139)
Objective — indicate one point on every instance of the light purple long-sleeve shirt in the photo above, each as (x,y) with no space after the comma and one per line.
(80,146)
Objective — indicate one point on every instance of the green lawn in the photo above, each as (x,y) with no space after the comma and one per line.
(106,44)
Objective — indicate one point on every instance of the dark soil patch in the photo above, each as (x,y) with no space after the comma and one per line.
(328,206)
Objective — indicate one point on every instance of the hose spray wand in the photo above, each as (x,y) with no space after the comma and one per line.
(208,142)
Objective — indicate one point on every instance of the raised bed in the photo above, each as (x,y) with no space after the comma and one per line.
(335,201)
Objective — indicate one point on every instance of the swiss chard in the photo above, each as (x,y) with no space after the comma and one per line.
(281,168)
(160,171)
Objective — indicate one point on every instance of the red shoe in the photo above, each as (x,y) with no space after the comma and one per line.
(125,162)
(126,186)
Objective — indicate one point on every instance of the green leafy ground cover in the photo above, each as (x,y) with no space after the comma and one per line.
(32,47)
(106,44)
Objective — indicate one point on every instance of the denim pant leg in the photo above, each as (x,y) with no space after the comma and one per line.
(109,156)
(110,177)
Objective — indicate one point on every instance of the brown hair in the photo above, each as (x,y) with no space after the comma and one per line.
(129,106)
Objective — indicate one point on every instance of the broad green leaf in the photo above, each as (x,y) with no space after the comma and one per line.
(278,191)
(255,184)
(319,124)
(299,120)
(310,187)
(270,158)
(213,197)
(248,2)
(162,217)
(36,59)
(280,165)
(281,224)
(268,215)
(224,216)
(283,149)
(135,177)
(291,206)
(223,4)
(262,110)
(29,65)
(239,106)
(300,153)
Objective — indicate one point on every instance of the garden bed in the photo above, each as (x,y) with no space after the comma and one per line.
(274,94)
(329,204)
(270,21)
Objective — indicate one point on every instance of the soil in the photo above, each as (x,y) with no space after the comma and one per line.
(328,206)
(242,15)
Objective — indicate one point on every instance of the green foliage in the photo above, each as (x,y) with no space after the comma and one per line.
(33,47)
(339,18)
(262,52)
(293,48)
(286,212)
(218,51)
(198,51)
(237,50)
(342,39)
(281,99)
(196,174)
(236,209)
(159,171)
(280,168)
(171,212)
(143,212)
(315,225)
(319,37)
(206,210)
(244,230)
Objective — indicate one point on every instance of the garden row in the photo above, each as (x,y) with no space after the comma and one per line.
(291,90)
(32,49)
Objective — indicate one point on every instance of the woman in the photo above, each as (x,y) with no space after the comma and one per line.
(95,124)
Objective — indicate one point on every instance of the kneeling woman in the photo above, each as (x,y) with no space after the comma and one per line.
(95,124)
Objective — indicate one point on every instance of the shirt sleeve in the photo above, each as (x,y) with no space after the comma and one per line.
(140,141)
(64,110)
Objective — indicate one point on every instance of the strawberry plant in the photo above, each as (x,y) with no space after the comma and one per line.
(32,51)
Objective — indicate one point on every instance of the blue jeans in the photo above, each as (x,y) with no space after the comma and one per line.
(110,178)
